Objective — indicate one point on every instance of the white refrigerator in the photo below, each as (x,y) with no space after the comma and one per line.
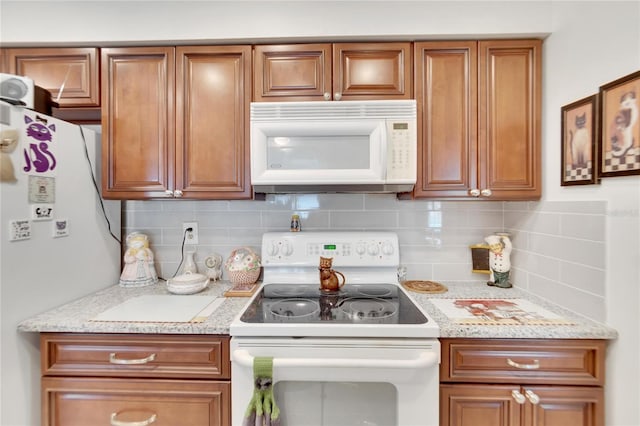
(56,244)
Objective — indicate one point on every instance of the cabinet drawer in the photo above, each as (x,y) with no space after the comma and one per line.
(553,361)
(84,401)
(118,355)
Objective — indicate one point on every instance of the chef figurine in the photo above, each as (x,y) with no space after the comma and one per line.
(499,262)
(139,269)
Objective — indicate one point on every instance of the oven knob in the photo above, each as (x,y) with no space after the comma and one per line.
(361,248)
(272,249)
(373,249)
(387,248)
(286,248)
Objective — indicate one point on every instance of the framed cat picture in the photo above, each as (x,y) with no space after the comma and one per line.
(579,130)
(619,139)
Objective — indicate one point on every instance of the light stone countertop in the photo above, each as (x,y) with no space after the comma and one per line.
(75,316)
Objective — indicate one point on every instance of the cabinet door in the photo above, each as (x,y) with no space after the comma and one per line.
(372,71)
(509,118)
(69,74)
(296,72)
(562,406)
(82,402)
(479,405)
(445,74)
(213,92)
(138,137)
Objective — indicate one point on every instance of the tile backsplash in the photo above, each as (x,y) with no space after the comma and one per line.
(559,247)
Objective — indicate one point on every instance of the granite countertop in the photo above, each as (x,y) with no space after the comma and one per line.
(76,316)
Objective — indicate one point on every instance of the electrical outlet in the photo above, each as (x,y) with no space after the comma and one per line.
(191,237)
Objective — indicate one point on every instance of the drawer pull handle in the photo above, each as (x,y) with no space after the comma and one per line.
(114,360)
(520,399)
(535,399)
(148,421)
(534,366)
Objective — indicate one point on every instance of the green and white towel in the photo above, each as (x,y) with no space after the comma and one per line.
(262,409)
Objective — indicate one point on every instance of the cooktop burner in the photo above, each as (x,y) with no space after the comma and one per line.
(355,303)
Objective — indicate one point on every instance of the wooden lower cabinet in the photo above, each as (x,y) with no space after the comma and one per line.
(496,405)
(125,402)
(522,382)
(127,380)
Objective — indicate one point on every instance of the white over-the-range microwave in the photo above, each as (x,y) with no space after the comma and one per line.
(338,146)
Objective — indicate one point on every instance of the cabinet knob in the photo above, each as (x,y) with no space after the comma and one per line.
(486,193)
(327,96)
(177,193)
(531,396)
(519,398)
(475,192)
(168,193)
(337,96)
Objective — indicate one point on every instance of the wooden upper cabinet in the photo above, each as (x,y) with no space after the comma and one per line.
(138,136)
(213,92)
(341,71)
(446,94)
(479,119)
(67,80)
(175,122)
(509,107)
(299,72)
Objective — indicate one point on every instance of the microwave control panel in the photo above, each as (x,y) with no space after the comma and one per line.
(401,150)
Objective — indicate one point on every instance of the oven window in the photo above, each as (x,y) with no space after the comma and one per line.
(336,403)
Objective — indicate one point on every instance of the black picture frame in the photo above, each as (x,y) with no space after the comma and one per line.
(579,129)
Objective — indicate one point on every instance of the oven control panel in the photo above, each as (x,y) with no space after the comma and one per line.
(346,248)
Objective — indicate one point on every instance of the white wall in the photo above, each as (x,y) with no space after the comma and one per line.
(591,43)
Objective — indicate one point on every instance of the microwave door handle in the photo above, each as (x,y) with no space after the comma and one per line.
(424,360)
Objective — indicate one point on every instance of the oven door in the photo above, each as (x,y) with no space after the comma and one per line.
(342,382)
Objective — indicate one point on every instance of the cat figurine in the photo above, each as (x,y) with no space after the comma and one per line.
(329,281)
(621,128)
(580,143)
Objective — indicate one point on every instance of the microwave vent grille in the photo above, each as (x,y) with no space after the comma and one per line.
(333,110)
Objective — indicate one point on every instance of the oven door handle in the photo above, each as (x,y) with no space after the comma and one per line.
(425,359)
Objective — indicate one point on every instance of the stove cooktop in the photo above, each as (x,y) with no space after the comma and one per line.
(357,310)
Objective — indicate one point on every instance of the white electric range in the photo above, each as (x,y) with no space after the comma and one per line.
(366,354)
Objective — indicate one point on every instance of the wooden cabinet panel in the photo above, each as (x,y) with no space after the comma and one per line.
(446,95)
(479,119)
(579,362)
(372,71)
(341,71)
(176,126)
(562,406)
(70,74)
(133,379)
(299,72)
(509,118)
(121,355)
(522,382)
(475,405)
(138,136)
(87,401)
(213,93)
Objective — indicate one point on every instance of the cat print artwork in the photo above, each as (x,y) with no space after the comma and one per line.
(621,131)
(578,133)
(39,157)
(580,142)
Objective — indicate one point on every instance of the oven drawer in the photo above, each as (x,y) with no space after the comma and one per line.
(548,361)
(85,401)
(126,355)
